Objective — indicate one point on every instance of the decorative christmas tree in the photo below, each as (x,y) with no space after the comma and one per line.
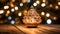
(31,17)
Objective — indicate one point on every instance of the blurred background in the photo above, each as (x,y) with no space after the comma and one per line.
(11,11)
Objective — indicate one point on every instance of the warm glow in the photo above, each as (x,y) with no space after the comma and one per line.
(50,5)
(38,2)
(8,12)
(19,14)
(47,15)
(25,12)
(43,0)
(16,8)
(43,4)
(56,7)
(42,13)
(31,18)
(1,11)
(12,5)
(24,1)
(55,18)
(12,10)
(12,0)
(6,7)
(58,3)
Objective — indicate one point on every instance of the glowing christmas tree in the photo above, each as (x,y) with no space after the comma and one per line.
(31,17)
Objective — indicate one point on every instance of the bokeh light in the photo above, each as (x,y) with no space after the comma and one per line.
(43,0)
(43,4)
(34,4)
(12,22)
(16,8)
(24,1)
(12,10)
(55,18)
(12,0)
(38,2)
(1,11)
(28,1)
(19,14)
(49,21)
(47,15)
(42,13)
(8,12)
(6,7)
(21,4)
(58,3)
(51,5)
(9,17)
(11,4)
(56,7)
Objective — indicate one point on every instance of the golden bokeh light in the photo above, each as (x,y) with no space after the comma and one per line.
(6,7)
(43,4)
(58,3)
(55,18)
(25,12)
(11,4)
(50,5)
(19,14)
(1,11)
(38,2)
(12,0)
(56,7)
(43,0)
(12,10)
(47,15)
(8,12)
(16,8)
(42,13)
(24,1)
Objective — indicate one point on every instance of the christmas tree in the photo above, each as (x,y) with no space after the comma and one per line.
(31,17)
